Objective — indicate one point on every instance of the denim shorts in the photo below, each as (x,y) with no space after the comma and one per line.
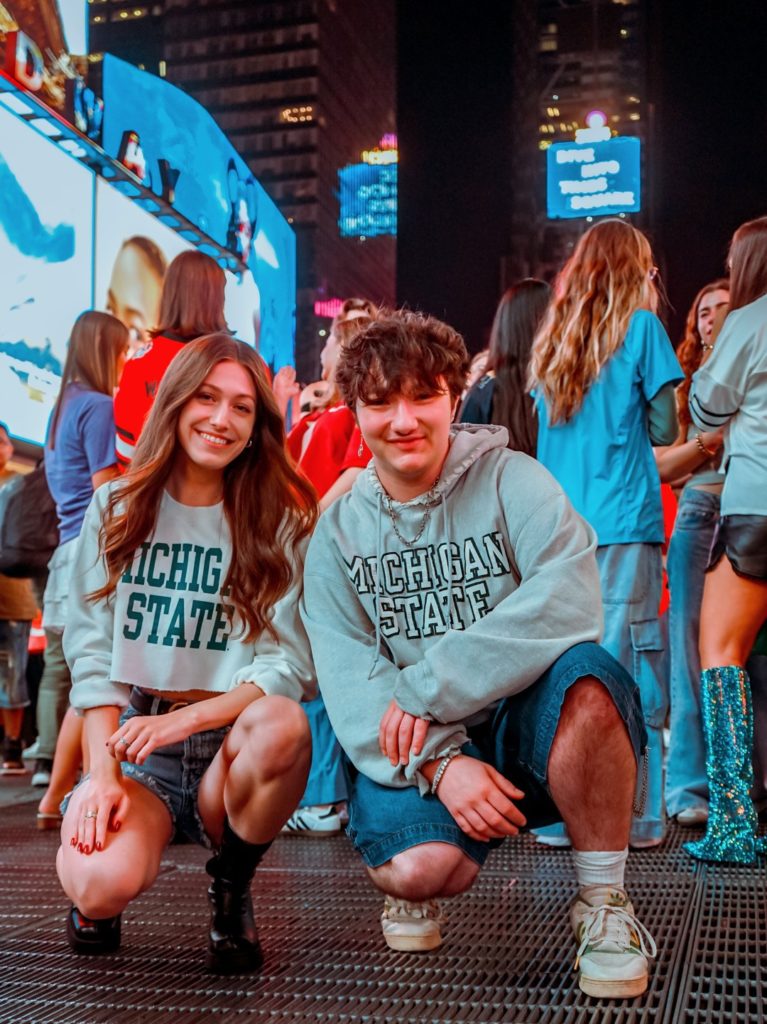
(173,774)
(14,641)
(516,740)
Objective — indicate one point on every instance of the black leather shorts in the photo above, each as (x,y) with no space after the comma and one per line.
(744,540)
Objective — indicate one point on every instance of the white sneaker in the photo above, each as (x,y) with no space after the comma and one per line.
(316,820)
(412,927)
(613,946)
(692,817)
(30,753)
(558,842)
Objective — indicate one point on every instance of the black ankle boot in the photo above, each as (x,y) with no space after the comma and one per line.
(88,936)
(233,946)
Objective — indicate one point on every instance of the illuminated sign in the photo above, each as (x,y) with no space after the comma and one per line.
(593,178)
(328,307)
(384,153)
(368,200)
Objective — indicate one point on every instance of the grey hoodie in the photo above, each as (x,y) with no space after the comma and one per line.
(503,549)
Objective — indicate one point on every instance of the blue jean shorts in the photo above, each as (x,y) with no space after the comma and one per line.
(173,774)
(516,740)
(14,641)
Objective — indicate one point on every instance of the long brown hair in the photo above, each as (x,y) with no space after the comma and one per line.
(511,338)
(95,345)
(268,505)
(596,293)
(748,263)
(690,351)
(192,300)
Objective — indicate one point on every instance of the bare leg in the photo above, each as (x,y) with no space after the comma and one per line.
(731,615)
(13,719)
(102,883)
(257,777)
(66,763)
(592,770)
(424,872)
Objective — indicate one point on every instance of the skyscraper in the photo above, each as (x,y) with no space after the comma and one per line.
(302,88)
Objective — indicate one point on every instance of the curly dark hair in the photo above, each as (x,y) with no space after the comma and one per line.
(401,351)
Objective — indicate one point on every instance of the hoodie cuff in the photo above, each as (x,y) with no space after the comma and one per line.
(409,690)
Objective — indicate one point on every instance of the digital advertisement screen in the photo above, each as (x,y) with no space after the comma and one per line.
(594,178)
(216,191)
(133,249)
(46,256)
(368,200)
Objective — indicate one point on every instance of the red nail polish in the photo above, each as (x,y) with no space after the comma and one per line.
(73,842)
(99,846)
(117,826)
(86,849)
(79,847)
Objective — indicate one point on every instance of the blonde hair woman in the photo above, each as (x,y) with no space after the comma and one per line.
(604,372)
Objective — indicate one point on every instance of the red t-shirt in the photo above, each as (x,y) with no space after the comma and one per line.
(326,443)
(135,395)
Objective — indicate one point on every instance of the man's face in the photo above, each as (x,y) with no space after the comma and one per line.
(6,449)
(134,295)
(408,433)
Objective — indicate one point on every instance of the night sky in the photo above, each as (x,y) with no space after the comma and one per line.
(707,157)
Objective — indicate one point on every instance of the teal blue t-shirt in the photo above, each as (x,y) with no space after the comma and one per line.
(602,457)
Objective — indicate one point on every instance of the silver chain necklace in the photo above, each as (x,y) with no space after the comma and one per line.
(431,500)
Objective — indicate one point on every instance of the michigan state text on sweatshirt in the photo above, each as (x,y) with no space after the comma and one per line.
(502,581)
(170,625)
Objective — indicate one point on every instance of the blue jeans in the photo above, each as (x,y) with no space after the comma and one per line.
(631,579)
(326,783)
(516,740)
(14,642)
(697,516)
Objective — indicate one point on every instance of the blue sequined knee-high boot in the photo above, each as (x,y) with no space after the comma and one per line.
(728,723)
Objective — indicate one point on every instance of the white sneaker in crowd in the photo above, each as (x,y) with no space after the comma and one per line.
(315,820)
(693,817)
(411,927)
(30,753)
(613,946)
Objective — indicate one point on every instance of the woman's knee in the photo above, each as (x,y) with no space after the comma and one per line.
(97,887)
(276,731)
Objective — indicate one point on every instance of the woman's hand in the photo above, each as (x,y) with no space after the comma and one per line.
(135,740)
(401,734)
(102,806)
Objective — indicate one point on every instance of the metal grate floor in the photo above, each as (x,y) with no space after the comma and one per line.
(507,954)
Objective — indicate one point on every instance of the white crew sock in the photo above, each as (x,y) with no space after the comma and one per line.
(600,867)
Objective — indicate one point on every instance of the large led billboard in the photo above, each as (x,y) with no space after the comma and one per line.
(216,191)
(46,256)
(593,178)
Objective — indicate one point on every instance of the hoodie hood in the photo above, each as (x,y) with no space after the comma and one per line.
(468,442)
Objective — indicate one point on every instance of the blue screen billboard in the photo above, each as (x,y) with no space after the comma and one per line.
(594,178)
(214,189)
(368,200)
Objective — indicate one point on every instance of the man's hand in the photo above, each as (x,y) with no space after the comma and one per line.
(401,734)
(478,797)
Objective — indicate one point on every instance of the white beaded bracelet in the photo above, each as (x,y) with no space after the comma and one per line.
(442,768)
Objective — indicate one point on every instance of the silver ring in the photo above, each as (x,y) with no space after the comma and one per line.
(124,742)
(91,814)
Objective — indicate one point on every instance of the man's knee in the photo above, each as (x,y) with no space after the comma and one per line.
(589,706)
(426,871)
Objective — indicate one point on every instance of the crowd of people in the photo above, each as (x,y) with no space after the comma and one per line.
(431,609)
